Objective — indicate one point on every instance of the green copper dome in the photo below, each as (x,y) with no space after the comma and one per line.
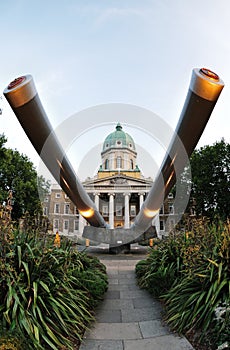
(119,139)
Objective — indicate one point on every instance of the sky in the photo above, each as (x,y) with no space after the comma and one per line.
(87,55)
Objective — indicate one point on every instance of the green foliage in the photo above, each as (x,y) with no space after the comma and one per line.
(46,293)
(211,180)
(190,273)
(159,270)
(18,174)
(12,341)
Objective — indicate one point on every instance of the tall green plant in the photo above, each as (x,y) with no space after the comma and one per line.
(43,295)
(200,268)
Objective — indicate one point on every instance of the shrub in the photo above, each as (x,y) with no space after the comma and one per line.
(42,291)
(197,280)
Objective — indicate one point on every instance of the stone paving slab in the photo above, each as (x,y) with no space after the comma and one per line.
(125,275)
(153,328)
(126,281)
(133,294)
(116,304)
(113,281)
(102,345)
(109,316)
(166,342)
(119,287)
(115,331)
(113,294)
(137,315)
(146,302)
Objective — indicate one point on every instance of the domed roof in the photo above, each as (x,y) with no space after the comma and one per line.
(118,139)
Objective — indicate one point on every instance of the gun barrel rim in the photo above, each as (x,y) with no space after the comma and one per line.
(20,91)
(204,85)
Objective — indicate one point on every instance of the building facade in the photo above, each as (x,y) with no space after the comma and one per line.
(118,190)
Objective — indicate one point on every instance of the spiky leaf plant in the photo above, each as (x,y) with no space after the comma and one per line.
(42,291)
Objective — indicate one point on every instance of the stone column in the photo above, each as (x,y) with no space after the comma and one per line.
(127,219)
(111,210)
(96,199)
(141,199)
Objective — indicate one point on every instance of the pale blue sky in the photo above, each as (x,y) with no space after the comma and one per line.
(87,53)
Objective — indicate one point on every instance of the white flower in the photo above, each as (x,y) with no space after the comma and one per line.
(223,346)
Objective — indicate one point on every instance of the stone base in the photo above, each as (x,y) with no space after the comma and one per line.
(121,249)
(118,237)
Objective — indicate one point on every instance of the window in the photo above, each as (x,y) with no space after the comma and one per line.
(56,224)
(76,225)
(133,210)
(45,211)
(162,226)
(119,143)
(118,210)
(106,164)
(58,195)
(162,210)
(66,224)
(67,209)
(105,210)
(131,163)
(76,212)
(56,208)
(46,199)
(170,195)
(119,162)
(171,209)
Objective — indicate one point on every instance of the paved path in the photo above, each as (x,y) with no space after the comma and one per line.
(129,318)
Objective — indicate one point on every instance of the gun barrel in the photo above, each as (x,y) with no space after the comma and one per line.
(25,102)
(204,90)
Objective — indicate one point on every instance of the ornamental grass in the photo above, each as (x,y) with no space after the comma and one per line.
(47,292)
(190,273)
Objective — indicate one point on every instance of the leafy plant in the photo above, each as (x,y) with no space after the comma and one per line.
(190,272)
(47,293)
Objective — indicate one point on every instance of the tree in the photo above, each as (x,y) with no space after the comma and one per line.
(211,180)
(17,174)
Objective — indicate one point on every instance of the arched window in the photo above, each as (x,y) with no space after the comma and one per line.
(119,162)
(131,163)
(106,164)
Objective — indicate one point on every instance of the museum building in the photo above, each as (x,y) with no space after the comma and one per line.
(118,190)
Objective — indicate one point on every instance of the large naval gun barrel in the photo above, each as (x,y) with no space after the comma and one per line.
(204,90)
(25,102)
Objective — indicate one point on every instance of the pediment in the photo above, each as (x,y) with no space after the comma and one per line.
(118,180)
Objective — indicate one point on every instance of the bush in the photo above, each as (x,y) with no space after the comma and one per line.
(46,293)
(195,273)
